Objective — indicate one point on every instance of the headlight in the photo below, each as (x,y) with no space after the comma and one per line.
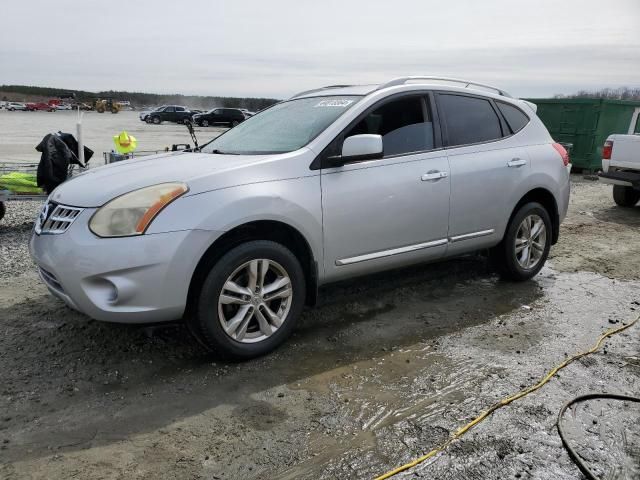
(131,213)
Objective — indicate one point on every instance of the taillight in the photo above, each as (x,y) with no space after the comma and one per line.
(606,150)
(563,153)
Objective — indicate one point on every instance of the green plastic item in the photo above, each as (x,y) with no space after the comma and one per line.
(18,182)
(585,123)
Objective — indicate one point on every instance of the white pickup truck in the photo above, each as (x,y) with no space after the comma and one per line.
(621,168)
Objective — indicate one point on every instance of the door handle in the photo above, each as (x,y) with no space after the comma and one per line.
(516,162)
(433,175)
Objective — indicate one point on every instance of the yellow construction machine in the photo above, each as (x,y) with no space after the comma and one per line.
(106,105)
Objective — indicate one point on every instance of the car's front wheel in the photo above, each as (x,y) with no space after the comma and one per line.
(525,246)
(250,300)
(205,123)
(156,120)
(625,196)
(235,123)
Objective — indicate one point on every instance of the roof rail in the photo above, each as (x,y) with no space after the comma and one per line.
(403,80)
(314,90)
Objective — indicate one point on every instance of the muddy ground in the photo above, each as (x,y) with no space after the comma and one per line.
(381,372)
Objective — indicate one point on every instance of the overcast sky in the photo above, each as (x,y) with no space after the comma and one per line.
(275,48)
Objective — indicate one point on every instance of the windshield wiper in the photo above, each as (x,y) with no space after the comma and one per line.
(220,152)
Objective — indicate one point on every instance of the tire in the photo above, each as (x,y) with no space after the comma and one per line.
(512,260)
(147,119)
(3,210)
(235,123)
(12,109)
(205,123)
(248,339)
(156,120)
(625,196)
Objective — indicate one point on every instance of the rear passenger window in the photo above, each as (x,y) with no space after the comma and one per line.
(405,126)
(514,116)
(469,119)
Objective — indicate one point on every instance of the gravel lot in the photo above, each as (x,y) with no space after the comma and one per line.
(379,373)
(22,131)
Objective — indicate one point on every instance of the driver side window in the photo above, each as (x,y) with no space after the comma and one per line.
(405,125)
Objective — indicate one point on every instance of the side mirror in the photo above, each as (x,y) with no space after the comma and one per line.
(358,148)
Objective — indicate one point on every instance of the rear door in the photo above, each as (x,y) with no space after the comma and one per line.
(392,211)
(488,169)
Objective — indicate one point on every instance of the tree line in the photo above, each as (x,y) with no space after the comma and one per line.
(621,93)
(139,99)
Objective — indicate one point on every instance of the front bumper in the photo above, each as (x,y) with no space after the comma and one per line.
(140,279)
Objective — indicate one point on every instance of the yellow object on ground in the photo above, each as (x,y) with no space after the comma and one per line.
(18,182)
(125,143)
(503,403)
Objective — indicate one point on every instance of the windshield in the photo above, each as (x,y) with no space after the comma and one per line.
(285,127)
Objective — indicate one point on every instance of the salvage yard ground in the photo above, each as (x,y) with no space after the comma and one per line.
(381,372)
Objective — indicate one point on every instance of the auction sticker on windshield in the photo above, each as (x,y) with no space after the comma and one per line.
(338,102)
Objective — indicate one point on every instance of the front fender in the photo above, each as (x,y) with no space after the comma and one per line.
(295,202)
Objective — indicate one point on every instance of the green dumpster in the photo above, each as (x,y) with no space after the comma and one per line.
(586,123)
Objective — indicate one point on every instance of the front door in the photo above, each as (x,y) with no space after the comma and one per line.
(393,211)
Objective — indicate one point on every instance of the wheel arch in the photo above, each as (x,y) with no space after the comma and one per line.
(273,230)
(548,201)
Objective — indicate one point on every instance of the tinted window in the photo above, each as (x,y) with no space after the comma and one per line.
(179,109)
(469,119)
(514,116)
(170,109)
(401,123)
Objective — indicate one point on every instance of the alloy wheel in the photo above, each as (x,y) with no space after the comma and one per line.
(530,242)
(255,301)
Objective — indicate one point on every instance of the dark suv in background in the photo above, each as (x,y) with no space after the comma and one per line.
(169,113)
(220,116)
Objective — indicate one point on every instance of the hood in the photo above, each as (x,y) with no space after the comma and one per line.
(200,171)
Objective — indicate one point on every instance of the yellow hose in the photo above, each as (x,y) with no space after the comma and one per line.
(504,402)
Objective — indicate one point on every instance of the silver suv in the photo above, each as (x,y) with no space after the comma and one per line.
(333,183)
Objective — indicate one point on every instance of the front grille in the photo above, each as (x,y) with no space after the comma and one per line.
(50,279)
(56,219)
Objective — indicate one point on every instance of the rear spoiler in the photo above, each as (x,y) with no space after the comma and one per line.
(531,105)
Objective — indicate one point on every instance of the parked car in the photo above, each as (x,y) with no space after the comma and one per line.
(40,106)
(247,113)
(328,185)
(621,168)
(145,113)
(169,113)
(220,116)
(12,106)
(63,106)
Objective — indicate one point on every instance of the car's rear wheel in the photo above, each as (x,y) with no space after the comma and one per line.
(156,120)
(235,123)
(625,196)
(205,123)
(250,300)
(525,246)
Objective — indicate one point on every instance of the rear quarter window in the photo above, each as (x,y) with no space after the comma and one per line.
(469,119)
(516,118)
